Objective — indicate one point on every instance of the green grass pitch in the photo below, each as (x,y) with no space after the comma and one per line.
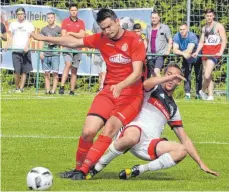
(44,131)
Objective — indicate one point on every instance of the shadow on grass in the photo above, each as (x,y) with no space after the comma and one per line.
(146,176)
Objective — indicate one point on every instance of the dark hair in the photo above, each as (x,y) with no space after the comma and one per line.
(72,5)
(20,9)
(210,10)
(137,26)
(173,65)
(183,24)
(155,12)
(51,13)
(105,13)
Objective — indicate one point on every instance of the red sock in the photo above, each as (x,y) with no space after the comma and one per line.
(96,151)
(83,148)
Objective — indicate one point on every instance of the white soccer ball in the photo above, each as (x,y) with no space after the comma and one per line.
(39,178)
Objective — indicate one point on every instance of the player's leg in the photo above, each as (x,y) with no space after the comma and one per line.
(158,66)
(209,65)
(187,75)
(68,65)
(198,76)
(126,110)
(47,82)
(55,69)
(75,66)
(126,139)
(167,154)
(17,62)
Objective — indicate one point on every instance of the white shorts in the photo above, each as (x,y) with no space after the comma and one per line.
(145,149)
(99,63)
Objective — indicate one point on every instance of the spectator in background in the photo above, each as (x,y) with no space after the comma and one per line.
(19,38)
(137,28)
(213,41)
(75,27)
(3,37)
(50,60)
(185,43)
(99,61)
(159,40)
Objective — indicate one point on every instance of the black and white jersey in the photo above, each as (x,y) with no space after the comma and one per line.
(158,109)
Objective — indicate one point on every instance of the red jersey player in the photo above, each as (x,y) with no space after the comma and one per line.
(120,100)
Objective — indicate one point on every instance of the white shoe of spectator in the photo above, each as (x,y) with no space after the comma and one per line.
(210,98)
(203,95)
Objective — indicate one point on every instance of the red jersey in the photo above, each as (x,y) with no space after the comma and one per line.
(72,26)
(119,56)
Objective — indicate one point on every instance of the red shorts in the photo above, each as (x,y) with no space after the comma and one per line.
(125,107)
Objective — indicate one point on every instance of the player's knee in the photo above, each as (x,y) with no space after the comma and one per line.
(182,151)
(110,130)
(88,134)
(207,76)
(133,140)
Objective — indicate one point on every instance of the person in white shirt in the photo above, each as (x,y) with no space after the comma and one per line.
(19,39)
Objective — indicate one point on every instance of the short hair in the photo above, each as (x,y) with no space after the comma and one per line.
(105,13)
(51,13)
(20,9)
(210,10)
(183,24)
(173,65)
(155,12)
(72,5)
(137,26)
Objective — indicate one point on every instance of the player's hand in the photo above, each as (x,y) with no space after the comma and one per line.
(116,89)
(42,56)
(167,53)
(195,54)
(26,49)
(207,170)
(69,33)
(176,76)
(37,37)
(187,55)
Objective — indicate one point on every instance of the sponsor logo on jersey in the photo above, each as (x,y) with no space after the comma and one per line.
(159,106)
(212,40)
(124,47)
(162,95)
(119,58)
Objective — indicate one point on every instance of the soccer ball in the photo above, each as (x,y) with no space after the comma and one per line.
(39,178)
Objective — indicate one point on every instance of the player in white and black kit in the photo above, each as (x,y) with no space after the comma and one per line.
(143,135)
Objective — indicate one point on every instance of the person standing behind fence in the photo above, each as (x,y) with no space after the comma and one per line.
(3,37)
(75,27)
(137,28)
(50,60)
(185,43)
(19,38)
(99,61)
(213,41)
(159,42)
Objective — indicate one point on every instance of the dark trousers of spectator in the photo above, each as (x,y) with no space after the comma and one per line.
(187,70)
(154,62)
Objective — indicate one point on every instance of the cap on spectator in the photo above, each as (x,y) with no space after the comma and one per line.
(20,10)
(137,26)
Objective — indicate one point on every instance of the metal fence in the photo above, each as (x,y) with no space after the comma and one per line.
(190,11)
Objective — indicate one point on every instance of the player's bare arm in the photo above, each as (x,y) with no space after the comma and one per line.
(154,81)
(79,35)
(131,79)
(200,45)
(186,141)
(66,41)
(223,36)
(170,45)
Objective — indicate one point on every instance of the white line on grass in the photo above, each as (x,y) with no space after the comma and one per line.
(77,137)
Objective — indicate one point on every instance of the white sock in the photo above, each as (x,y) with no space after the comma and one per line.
(107,158)
(163,162)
